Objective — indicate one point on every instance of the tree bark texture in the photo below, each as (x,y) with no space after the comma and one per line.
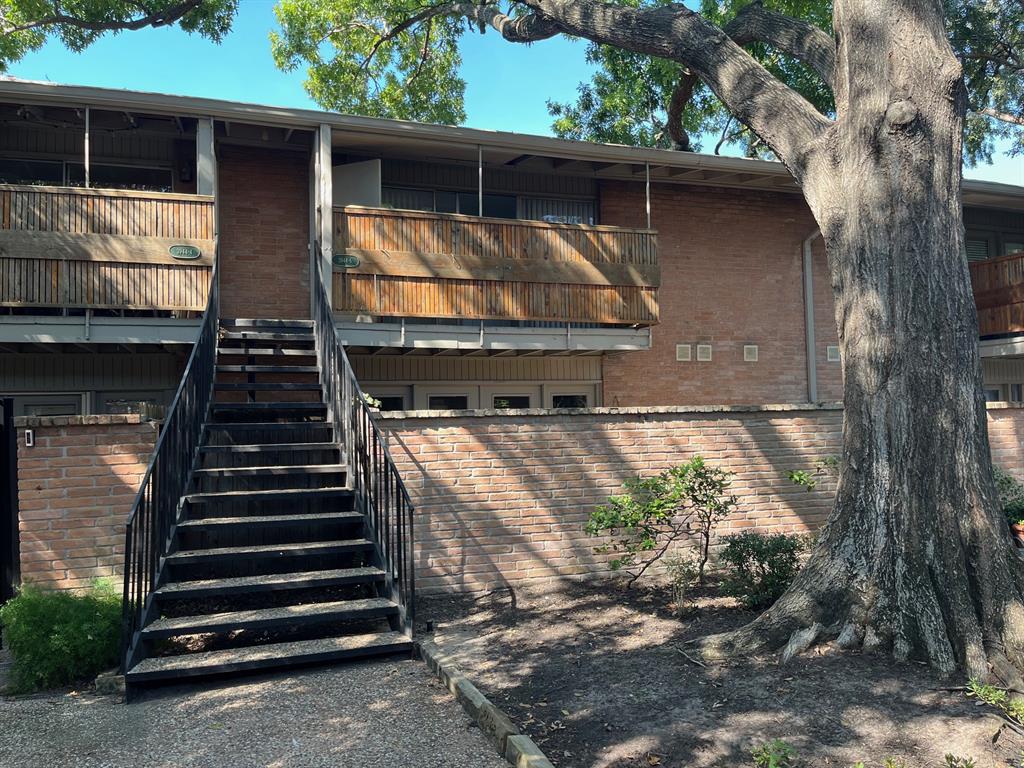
(915,558)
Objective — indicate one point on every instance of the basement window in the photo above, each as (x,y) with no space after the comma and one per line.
(568,401)
(447,402)
(504,402)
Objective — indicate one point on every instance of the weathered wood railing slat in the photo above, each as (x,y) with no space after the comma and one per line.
(417,264)
(103,249)
(999,294)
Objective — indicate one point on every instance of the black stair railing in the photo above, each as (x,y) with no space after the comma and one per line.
(375,478)
(158,502)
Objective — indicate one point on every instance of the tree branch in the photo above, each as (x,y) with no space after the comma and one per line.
(676,106)
(160,18)
(1005,117)
(800,39)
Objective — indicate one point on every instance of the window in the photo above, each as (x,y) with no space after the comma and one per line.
(992,395)
(447,402)
(503,402)
(121,177)
(391,403)
(1012,246)
(1016,393)
(48,405)
(129,402)
(14,171)
(558,211)
(443,201)
(569,401)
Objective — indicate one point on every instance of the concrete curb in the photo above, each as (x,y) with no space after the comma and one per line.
(518,749)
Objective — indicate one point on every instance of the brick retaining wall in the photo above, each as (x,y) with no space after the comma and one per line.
(75,490)
(501,496)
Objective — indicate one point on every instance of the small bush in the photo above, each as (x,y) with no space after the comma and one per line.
(1011,496)
(774,754)
(683,573)
(57,638)
(760,567)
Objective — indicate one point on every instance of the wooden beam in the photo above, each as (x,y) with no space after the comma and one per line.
(598,167)
(520,159)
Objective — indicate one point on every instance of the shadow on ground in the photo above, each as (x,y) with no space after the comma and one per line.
(600,678)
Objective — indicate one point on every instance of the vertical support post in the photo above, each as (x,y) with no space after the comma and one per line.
(479,180)
(206,161)
(325,198)
(87,147)
(647,192)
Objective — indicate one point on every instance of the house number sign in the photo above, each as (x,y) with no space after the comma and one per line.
(341,260)
(187,252)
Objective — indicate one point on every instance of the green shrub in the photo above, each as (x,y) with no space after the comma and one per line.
(1011,496)
(655,512)
(57,638)
(774,754)
(760,567)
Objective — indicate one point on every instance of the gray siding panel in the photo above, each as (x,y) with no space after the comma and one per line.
(80,372)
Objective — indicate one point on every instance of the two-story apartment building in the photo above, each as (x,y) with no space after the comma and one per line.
(250,268)
(597,275)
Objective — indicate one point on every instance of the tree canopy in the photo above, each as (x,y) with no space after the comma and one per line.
(399,58)
(26,24)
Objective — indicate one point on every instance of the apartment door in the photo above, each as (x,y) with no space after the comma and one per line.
(9,555)
(263,204)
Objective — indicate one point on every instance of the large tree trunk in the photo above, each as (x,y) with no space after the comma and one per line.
(915,558)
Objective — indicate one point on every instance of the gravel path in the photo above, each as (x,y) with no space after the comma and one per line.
(379,714)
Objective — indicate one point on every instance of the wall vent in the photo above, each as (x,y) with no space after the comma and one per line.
(750,353)
(684,353)
(703,353)
(832,353)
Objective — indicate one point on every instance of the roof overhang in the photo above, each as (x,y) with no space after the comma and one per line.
(398,137)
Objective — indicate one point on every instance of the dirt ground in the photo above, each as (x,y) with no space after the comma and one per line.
(599,677)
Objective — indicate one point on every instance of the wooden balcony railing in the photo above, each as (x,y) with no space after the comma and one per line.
(999,294)
(414,264)
(104,249)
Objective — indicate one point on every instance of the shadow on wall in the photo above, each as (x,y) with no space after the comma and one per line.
(503,498)
(76,487)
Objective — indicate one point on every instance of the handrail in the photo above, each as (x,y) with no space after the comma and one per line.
(157,504)
(380,492)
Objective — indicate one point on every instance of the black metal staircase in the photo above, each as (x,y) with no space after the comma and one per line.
(279,534)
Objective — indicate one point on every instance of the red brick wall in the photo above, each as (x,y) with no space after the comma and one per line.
(75,490)
(731,266)
(264,232)
(503,499)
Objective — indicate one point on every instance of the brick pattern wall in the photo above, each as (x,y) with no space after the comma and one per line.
(502,499)
(263,203)
(743,288)
(76,487)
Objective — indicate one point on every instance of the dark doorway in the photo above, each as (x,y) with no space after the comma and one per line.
(9,556)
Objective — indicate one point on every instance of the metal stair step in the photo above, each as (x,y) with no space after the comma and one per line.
(247,322)
(253,425)
(267,369)
(301,549)
(266,618)
(266,336)
(266,447)
(275,655)
(276,494)
(276,582)
(285,469)
(246,350)
(245,386)
(252,521)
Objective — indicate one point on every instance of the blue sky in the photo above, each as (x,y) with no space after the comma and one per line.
(507,85)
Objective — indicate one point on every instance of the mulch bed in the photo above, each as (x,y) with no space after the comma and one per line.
(601,677)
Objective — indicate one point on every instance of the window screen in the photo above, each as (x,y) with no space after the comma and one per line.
(407,199)
(503,402)
(447,402)
(569,401)
(121,177)
(558,211)
(392,403)
(14,171)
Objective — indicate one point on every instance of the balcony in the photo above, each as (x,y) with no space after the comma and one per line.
(66,247)
(411,264)
(999,294)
